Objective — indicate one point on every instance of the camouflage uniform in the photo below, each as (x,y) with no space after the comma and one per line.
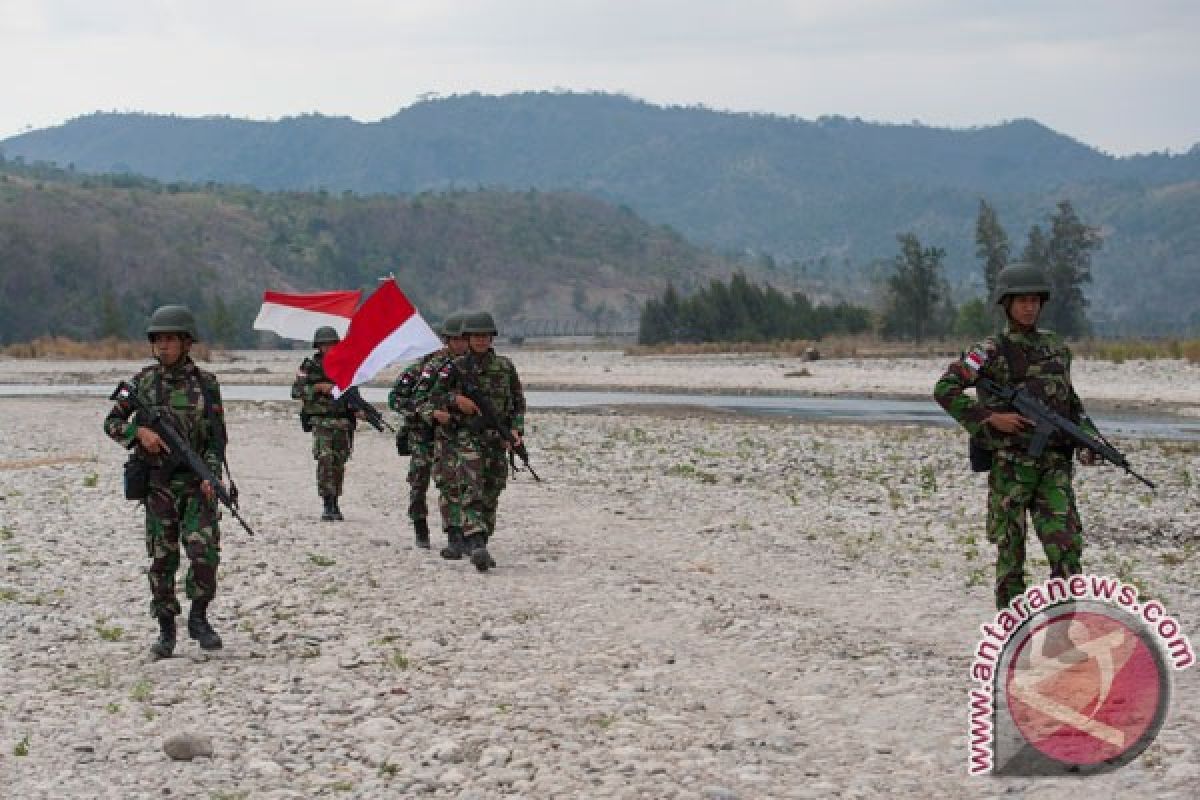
(474,463)
(332,427)
(412,382)
(1017,482)
(176,509)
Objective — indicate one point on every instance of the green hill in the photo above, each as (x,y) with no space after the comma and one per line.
(90,256)
(828,195)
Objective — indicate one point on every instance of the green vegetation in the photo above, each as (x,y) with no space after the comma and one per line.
(531,255)
(109,633)
(743,312)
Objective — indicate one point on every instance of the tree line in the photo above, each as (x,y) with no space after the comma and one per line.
(917,300)
(918,303)
(741,311)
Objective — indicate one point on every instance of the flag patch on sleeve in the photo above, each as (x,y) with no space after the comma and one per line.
(975,359)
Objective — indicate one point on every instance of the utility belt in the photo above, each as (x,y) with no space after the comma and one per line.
(307,417)
(982,456)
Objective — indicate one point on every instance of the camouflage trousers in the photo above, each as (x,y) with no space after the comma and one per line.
(420,470)
(1043,490)
(478,472)
(449,498)
(333,442)
(177,511)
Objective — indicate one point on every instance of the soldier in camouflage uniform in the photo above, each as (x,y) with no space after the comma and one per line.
(179,506)
(411,387)
(474,457)
(1017,482)
(331,424)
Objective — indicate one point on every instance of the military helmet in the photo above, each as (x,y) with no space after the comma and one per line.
(478,322)
(326,334)
(172,319)
(1021,278)
(452,324)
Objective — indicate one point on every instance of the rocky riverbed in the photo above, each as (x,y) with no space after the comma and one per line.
(689,606)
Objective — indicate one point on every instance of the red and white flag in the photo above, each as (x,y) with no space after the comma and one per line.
(386,329)
(297,316)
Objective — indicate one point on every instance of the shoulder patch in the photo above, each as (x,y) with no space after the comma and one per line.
(975,358)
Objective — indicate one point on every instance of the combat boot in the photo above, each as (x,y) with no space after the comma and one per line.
(454,544)
(199,629)
(487,537)
(327,514)
(421,526)
(165,646)
(337,512)
(480,557)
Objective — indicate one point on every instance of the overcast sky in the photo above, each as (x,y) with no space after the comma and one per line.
(1120,75)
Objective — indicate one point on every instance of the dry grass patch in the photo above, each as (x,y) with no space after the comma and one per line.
(107,349)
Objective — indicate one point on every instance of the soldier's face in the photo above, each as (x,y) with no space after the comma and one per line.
(457,345)
(1024,309)
(324,348)
(169,347)
(479,342)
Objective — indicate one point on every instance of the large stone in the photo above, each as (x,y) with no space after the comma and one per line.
(186,746)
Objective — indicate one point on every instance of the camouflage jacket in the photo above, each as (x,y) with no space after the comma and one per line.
(317,404)
(413,384)
(496,378)
(188,398)
(1039,360)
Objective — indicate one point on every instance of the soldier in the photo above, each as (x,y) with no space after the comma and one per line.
(179,506)
(331,424)
(476,469)
(417,434)
(1017,482)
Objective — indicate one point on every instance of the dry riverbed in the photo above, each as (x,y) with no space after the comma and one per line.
(689,606)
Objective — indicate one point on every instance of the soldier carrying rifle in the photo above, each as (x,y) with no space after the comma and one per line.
(1028,473)
(180,503)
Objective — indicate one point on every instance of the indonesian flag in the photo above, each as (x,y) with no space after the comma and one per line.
(386,329)
(297,316)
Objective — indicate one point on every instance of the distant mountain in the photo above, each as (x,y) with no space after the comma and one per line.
(827,196)
(90,256)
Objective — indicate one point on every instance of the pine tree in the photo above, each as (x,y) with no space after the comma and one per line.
(917,292)
(991,245)
(1069,266)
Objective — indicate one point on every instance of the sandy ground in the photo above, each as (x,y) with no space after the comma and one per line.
(691,607)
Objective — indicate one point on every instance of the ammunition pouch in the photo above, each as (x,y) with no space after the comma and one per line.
(980,455)
(402,446)
(306,424)
(137,478)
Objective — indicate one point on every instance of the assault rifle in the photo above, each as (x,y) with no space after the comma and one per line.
(492,420)
(178,448)
(1047,422)
(356,403)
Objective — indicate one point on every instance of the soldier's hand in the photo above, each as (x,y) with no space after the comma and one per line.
(441,417)
(465,404)
(1008,422)
(150,441)
(516,442)
(206,488)
(1088,457)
